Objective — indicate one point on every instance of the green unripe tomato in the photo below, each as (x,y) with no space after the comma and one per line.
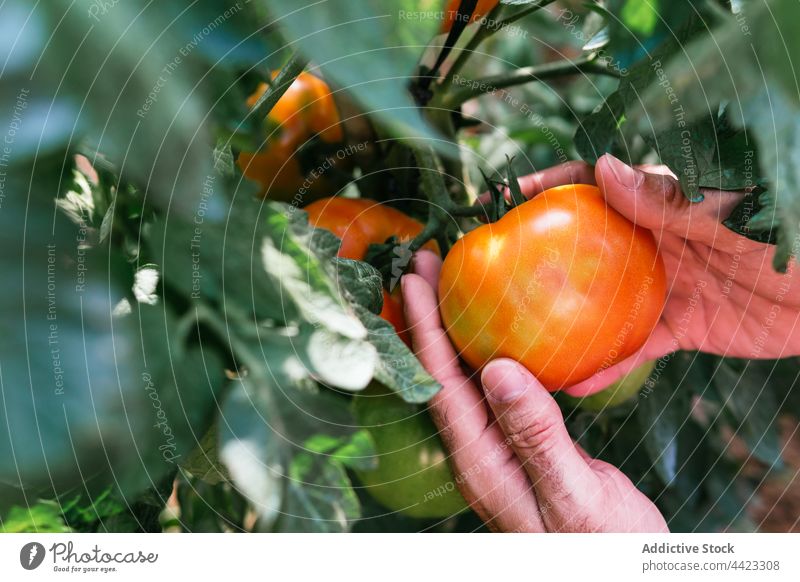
(618,393)
(412,476)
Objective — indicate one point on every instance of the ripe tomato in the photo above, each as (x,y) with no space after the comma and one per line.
(563,284)
(481,9)
(360,222)
(412,476)
(306,109)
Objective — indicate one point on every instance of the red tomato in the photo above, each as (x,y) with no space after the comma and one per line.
(483,8)
(563,284)
(360,222)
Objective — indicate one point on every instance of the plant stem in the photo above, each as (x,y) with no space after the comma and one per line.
(439,199)
(464,53)
(525,75)
(485,31)
(524,12)
(280,84)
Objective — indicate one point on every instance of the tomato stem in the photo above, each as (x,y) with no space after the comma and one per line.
(288,73)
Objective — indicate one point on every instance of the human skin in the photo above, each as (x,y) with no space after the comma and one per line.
(531,476)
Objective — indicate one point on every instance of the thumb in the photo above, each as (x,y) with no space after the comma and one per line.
(532,422)
(657,202)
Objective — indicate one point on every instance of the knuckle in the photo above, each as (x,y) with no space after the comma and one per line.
(672,192)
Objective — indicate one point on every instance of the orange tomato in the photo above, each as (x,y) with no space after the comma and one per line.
(563,284)
(306,109)
(360,222)
(481,9)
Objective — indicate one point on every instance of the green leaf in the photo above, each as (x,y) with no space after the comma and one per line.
(708,153)
(398,368)
(777,120)
(757,48)
(661,414)
(637,27)
(249,449)
(319,497)
(746,394)
(42,517)
(741,215)
(137,94)
(204,463)
(285,446)
(335,360)
(362,282)
(208,257)
(290,262)
(607,129)
(68,382)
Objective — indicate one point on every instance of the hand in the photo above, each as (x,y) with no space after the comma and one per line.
(514,461)
(724,296)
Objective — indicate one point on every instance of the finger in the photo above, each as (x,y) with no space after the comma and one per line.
(568,173)
(484,467)
(457,408)
(531,419)
(661,342)
(428,265)
(656,201)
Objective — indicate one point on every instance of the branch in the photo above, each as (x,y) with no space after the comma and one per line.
(279,85)
(485,31)
(491,84)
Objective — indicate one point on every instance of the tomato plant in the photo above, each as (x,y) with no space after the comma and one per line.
(360,223)
(184,351)
(547,287)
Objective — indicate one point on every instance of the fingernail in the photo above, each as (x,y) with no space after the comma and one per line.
(625,175)
(504,381)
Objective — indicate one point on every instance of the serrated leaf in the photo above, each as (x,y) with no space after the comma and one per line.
(362,282)
(295,269)
(708,153)
(224,163)
(398,368)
